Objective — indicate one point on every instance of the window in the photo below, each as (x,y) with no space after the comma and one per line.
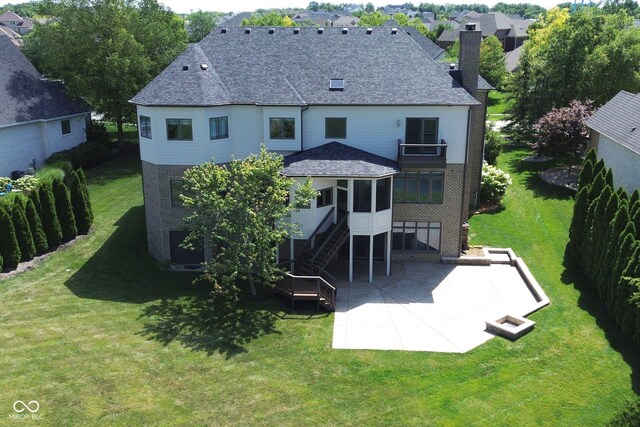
(66,127)
(418,187)
(383,194)
(325,198)
(145,127)
(282,128)
(362,195)
(179,130)
(218,128)
(416,236)
(336,84)
(177,188)
(421,131)
(335,127)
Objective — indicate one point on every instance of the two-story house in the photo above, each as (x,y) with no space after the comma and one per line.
(392,140)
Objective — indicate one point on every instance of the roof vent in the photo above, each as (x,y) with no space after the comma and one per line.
(320,30)
(633,129)
(336,84)
(272,30)
(394,30)
(296,31)
(185,67)
(369,30)
(452,66)
(223,31)
(247,30)
(345,31)
(204,67)
(470,26)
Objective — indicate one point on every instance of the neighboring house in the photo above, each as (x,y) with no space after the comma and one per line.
(16,23)
(615,134)
(392,141)
(15,38)
(346,21)
(37,117)
(512,59)
(447,38)
(511,32)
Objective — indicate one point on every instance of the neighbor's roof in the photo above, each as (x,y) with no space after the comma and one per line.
(10,16)
(24,96)
(512,58)
(449,36)
(285,68)
(337,160)
(619,119)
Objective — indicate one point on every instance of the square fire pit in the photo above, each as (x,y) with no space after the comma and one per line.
(512,327)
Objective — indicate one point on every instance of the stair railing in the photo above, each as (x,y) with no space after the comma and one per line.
(333,232)
(307,244)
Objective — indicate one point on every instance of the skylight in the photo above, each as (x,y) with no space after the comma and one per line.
(336,84)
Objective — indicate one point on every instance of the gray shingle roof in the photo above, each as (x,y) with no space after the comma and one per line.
(294,69)
(619,119)
(24,96)
(433,50)
(339,160)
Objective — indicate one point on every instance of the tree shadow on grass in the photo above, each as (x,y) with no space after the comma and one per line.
(196,323)
(591,303)
(529,174)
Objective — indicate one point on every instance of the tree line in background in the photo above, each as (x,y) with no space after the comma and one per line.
(54,212)
(585,55)
(604,242)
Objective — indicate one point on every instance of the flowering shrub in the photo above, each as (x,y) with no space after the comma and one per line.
(3,182)
(494,183)
(26,183)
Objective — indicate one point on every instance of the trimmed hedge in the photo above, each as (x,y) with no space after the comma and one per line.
(35,224)
(64,210)
(23,231)
(81,202)
(85,155)
(49,216)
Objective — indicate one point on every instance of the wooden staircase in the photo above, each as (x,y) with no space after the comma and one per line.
(310,280)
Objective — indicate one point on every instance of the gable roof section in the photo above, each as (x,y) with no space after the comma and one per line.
(619,119)
(433,50)
(339,160)
(10,16)
(285,68)
(24,96)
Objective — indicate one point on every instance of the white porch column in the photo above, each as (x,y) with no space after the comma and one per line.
(371,259)
(350,257)
(388,248)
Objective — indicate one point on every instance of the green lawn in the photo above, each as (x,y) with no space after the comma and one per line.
(497,105)
(98,335)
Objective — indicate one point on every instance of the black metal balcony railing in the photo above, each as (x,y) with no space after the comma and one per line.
(421,155)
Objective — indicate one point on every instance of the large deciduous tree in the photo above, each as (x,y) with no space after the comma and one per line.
(107,50)
(240,210)
(492,63)
(200,25)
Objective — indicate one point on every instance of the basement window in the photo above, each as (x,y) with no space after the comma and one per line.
(336,84)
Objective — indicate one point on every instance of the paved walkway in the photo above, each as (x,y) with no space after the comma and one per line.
(428,307)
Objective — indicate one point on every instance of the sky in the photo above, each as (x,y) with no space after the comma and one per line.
(186,6)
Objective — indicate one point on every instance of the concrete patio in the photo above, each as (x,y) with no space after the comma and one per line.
(430,307)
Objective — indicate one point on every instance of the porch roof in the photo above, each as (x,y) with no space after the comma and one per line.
(338,160)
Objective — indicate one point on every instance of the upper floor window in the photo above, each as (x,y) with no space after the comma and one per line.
(66,127)
(362,195)
(145,127)
(179,130)
(281,128)
(335,127)
(421,131)
(325,198)
(383,194)
(418,187)
(218,128)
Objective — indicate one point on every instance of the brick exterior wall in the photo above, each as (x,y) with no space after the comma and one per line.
(447,213)
(161,217)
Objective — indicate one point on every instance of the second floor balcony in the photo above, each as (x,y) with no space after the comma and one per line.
(422,155)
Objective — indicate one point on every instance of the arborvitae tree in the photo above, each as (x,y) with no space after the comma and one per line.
(34,196)
(576,231)
(50,221)
(591,156)
(80,202)
(585,245)
(635,218)
(586,175)
(595,232)
(1,263)
(64,210)
(629,310)
(35,224)
(85,190)
(598,167)
(23,231)
(608,177)
(613,292)
(611,248)
(9,248)
(602,228)
(623,195)
(635,196)
(596,187)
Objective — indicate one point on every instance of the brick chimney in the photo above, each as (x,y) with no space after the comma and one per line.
(469,59)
